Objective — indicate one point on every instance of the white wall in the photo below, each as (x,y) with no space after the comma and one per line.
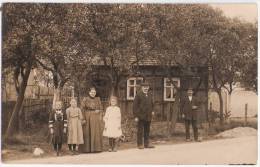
(238,100)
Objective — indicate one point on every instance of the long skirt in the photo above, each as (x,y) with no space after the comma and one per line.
(92,133)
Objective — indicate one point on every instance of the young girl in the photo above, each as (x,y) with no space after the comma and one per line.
(75,121)
(57,126)
(112,121)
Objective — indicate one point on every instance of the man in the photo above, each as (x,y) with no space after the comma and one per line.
(143,111)
(190,114)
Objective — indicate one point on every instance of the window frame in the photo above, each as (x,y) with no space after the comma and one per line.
(171,88)
(128,97)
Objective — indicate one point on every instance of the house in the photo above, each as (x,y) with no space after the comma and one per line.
(195,76)
(35,87)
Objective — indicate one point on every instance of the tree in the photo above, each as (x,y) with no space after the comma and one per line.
(20,43)
(115,33)
(249,50)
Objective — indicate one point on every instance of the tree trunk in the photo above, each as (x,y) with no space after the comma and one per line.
(114,90)
(56,96)
(229,103)
(220,107)
(18,105)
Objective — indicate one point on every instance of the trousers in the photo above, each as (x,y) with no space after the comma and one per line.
(194,127)
(143,130)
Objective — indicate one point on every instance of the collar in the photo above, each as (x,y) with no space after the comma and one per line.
(58,111)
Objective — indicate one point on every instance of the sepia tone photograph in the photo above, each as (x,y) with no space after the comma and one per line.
(129,83)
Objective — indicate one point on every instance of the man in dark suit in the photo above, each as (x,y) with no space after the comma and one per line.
(143,111)
(190,113)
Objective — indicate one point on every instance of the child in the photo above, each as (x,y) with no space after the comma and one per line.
(112,121)
(75,121)
(57,125)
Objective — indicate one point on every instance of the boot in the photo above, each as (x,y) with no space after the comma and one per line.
(110,144)
(114,145)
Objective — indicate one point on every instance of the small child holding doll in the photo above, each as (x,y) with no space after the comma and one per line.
(57,126)
(75,121)
(112,121)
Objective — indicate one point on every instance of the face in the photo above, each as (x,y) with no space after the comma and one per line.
(190,93)
(145,89)
(113,102)
(73,103)
(58,105)
(92,93)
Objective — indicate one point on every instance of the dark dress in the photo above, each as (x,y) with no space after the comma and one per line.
(92,129)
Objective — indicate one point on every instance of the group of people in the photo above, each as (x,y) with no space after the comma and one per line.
(83,126)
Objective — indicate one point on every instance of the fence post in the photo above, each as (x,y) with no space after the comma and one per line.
(210,114)
(246,107)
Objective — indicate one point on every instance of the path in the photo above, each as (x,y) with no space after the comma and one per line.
(222,151)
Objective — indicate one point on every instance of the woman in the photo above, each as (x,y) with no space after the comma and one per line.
(92,131)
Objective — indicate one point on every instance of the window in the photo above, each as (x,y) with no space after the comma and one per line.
(132,85)
(169,93)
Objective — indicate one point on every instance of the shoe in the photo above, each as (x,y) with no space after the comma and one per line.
(57,153)
(198,140)
(109,150)
(149,146)
(140,147)
(188,140)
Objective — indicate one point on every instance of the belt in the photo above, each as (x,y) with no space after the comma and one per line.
(90,110)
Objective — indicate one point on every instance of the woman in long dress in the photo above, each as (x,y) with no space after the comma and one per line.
(92,130)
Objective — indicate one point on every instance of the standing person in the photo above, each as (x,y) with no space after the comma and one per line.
(143,111)
(92,131)
(190,114)
(112,121)
(75,121)
(57,126)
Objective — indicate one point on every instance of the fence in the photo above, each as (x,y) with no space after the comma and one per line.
(33,111)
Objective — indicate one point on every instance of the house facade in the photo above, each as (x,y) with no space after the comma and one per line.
(161,81)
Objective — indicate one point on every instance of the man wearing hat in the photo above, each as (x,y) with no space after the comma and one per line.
(190,113)
(143,111)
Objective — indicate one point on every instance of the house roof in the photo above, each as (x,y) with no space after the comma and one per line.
(157,60)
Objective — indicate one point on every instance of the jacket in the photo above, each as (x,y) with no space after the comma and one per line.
(143,106)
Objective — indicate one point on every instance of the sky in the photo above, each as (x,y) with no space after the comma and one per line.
(247,12)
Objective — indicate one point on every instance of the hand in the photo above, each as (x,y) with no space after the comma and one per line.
(194,107)
(83,122)
(183,116)
(136,119)
(51,130)
(97,111)
(64,130)
(152,113)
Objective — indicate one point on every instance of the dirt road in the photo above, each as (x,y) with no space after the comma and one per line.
(241,150)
